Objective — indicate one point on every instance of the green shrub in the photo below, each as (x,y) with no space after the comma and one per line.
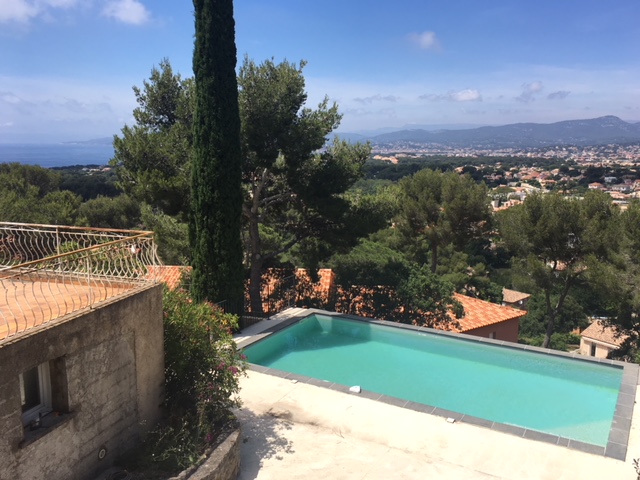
(202,371)
(559,341)
(202,364)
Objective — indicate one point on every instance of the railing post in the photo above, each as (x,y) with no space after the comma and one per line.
(88,266)
(57,240)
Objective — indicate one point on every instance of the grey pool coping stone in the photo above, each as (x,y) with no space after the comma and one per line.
(617,443)
(419,407)
(480,422)
(398,402)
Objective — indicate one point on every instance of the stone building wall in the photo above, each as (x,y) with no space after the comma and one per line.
(107,374)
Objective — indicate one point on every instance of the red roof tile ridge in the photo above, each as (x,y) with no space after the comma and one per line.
(603,333)
(513,296)
(169,274)
(480,313)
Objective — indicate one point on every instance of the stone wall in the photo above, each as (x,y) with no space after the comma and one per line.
(223,463)
(107,375)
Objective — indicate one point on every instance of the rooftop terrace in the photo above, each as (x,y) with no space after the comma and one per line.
(50,271)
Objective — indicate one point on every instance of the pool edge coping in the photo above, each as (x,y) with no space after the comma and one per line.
(619,433)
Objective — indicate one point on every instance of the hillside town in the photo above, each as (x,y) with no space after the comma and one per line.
(623,154)
(614,169)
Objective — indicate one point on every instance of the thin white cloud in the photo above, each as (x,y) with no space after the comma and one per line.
(9,97)
(17,11)
(127,11)
(559,95)
(22,11)
(473,111)
(60,109)
(388,113)
(606,91)
(376,98)
(59,3)
(529,90)
(425,40)
(466,95)
(6,124)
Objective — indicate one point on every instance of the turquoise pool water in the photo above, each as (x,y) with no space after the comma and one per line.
(561,396)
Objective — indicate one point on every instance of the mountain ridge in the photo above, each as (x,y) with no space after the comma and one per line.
(583,132)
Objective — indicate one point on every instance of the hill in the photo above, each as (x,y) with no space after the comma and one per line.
(597,131)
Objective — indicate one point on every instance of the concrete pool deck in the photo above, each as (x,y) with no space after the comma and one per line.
(294,430)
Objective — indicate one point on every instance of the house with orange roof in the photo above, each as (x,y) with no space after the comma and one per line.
(488,320)
(169,274)
(599,340)
(481,318)
(515,299)
(283,287)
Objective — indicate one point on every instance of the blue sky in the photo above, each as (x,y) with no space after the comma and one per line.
(67,66)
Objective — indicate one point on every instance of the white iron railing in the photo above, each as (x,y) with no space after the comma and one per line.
(48,271)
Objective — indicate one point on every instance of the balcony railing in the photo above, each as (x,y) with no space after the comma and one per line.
(49,271)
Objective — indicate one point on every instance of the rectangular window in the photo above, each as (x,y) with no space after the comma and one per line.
(35,393)
(593,349)
(492,335)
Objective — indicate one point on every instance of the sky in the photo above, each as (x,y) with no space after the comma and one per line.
(67,67)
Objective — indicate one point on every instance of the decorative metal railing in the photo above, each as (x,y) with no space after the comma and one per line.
(48,271)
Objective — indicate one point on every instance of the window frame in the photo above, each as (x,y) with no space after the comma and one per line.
(44,389)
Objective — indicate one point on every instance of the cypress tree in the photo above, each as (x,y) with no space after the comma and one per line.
(216,209)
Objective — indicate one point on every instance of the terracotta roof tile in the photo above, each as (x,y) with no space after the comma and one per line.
(479,313)
(276,287)
(169,274)
(513,296)
(603,333)
(326,281)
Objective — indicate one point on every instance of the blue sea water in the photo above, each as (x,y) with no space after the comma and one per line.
(561,396)
(56,154)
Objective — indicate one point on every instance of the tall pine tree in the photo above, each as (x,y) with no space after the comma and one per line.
(216,172)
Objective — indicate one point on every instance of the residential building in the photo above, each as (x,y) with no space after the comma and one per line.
(481,318)
(489,320)
(81,349)
(284,288)
(515,299)
(599,340)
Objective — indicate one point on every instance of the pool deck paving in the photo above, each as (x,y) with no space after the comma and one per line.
(292,430)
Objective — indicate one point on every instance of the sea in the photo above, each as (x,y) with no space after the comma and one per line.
(56,154)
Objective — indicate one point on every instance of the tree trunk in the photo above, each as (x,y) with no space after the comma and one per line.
(552,312)
(551,316)
(255,285)
(256,259)
(434,256)
(550,328)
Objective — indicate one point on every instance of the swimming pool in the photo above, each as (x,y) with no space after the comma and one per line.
(560,396)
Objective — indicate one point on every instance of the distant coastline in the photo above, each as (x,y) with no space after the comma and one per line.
(108,141)
(56,154)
